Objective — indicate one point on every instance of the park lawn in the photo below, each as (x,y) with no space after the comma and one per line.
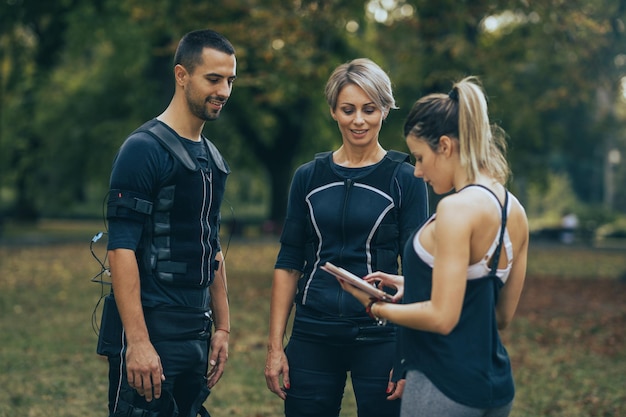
(566,343)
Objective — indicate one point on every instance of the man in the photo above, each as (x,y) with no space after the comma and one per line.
(167,268)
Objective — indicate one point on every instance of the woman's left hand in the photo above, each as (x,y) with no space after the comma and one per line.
(360,295)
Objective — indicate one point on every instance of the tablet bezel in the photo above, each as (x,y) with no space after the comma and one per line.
(355,281)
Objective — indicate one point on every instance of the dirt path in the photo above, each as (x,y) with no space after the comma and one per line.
(589,308)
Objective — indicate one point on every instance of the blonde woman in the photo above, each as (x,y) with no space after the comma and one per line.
(464,269)
(355,207)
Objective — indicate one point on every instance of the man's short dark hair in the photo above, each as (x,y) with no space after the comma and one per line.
(189,50)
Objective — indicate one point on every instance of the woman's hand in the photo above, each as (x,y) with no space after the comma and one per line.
(277,366)
(381,279)
(377,278)
(395,389)
(363,297)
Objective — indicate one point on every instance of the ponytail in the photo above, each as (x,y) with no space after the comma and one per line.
(482,146)
(462,114)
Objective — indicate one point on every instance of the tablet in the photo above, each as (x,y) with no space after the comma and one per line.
(352,279)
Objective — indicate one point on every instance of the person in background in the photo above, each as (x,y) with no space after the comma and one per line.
(354,207)
(569,224)
(168,272)
(464,269)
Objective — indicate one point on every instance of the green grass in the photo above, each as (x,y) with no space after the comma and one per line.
(567,349)
(566,342)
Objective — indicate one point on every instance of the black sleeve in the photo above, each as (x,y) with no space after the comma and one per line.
(293,237)
(139,167)
(413,202)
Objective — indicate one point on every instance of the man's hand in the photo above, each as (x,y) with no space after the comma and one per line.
(218,357)
(144,370)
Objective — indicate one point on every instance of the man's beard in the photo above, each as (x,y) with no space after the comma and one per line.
(200,109)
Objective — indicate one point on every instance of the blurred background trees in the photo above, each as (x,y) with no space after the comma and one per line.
(76,76)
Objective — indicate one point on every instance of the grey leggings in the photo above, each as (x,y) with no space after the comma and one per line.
(422,399)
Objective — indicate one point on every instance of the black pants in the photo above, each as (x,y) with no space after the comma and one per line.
(184,365)
(318,368)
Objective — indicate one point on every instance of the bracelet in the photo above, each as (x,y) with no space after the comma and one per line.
(224,330)
(368,310)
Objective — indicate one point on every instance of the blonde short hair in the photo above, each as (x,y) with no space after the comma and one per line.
(365,74)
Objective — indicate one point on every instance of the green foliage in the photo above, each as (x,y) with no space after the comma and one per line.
(76,76)
(594,217)
(92,110)
(546,202)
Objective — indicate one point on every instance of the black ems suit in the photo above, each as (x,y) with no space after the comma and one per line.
(358,219)
(164,204)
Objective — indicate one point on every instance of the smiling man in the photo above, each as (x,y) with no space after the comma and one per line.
(169,281)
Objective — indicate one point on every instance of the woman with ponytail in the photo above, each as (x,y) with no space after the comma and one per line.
(464,268)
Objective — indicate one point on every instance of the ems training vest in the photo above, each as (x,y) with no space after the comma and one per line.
(352,223)
(180,236)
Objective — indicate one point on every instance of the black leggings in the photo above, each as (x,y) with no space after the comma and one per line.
(318,372)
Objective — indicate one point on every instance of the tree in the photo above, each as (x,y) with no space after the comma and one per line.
(285,54)
(542,63)
(77,76)
(559,86)
(31,40)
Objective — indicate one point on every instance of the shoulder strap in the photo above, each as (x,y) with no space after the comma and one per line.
(320,159)
(496,256)
(171,143)
(217,157)
(397,156)
(169,140)
(322,155)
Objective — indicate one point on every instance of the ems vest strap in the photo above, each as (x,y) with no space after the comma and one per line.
(322,155)
(131,200)
(216,156)
(172,144)
(397,156)
(173,267)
